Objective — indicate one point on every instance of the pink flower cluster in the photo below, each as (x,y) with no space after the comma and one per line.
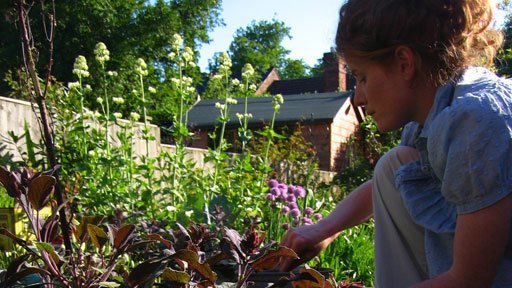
(285,197)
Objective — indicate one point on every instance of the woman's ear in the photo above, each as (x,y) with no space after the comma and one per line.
(406,62)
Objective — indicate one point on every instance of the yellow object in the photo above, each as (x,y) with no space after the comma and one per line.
(15,220)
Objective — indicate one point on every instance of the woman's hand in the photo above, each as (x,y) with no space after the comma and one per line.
(307,241)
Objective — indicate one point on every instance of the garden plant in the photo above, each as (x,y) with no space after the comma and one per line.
(141,219)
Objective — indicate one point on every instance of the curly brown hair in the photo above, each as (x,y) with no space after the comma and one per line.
(445,35)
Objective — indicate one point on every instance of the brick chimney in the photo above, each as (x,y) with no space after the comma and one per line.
(335,74)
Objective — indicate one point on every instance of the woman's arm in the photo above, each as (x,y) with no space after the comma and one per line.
(480,241)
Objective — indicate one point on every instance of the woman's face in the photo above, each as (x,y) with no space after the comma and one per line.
(387,95)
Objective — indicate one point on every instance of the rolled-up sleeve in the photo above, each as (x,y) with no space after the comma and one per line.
(470,150)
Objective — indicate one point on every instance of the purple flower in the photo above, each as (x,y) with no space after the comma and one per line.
(295,222)
(283,195)
(318,216)
(308,211)
(307,221)
(285,209)
(272,183)
(285,226)
(283,188)
(291,198)
(293,205)
(275,191)
(291,188)
(271,197)
(299,192)
(295,212)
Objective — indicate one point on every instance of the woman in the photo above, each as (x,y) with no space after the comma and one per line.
(441,200)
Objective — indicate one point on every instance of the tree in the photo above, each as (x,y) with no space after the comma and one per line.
(504,59)
(294,69)
(259,44)
(129,28)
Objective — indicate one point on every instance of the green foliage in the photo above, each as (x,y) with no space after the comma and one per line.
(260,44)
(361,152)
(354,254)
(294,69)
(131,29)
(503,61)
(103,175)
(5,200)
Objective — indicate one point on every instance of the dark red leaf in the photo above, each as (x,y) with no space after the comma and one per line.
(9,182)
(193,260)
(123,236)
(271,259)
(16,264)
(23,273)
(161,239)
(146,271)
(39,191)
(50,230)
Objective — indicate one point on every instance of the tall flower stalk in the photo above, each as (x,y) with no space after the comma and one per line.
(184,58)
(141,69)
(102,55)
(277,101)
(247,77)
(81,70)
(223,75)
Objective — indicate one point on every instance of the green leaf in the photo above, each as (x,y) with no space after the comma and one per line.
(48,248)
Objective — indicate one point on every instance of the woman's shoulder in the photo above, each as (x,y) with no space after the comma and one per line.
(481,92)
(480,84)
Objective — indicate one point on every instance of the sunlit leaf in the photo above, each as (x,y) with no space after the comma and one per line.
(123,235)
(40,190)
(97,235)
(309,278)
(81,229)
(175,276)
(271,259)
(109,284)
(160,239)
(193,260)
(48,248)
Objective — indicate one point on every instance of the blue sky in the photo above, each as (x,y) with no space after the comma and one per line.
(312,22)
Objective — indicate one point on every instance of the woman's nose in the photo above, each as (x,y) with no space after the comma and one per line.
(359,97)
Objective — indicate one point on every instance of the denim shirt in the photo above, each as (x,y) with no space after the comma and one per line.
(465,164)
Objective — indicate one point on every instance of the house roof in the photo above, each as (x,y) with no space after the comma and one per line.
(297,86)
(317,107)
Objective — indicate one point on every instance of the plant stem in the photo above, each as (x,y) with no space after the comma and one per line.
(40,98)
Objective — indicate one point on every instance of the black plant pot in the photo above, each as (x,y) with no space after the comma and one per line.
(270,277)
(227,272)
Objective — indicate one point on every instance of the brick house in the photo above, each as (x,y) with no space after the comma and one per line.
(326,116)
